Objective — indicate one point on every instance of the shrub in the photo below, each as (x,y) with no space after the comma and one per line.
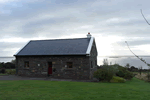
(3,71)
(1,65)
(11,72)
(112,68)
(128,75)
(103,74)
(148,75)
(120,73)
(117,79)
(124,73)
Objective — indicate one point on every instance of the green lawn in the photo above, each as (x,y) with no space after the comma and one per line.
(7,72)
(3,74)
(63,90)
(10,69)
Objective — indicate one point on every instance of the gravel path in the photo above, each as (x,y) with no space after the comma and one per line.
(14,77)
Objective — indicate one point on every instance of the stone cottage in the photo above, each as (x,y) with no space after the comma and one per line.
(58,58)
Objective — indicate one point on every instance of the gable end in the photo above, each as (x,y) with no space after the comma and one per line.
(90,46)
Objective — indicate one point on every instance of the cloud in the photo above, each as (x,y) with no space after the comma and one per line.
(10,45)
(135,42)
(10,48)
(111,21)
(6,1)
(39,17)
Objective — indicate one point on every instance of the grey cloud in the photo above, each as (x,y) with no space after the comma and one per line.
(81,14)
(67,16)
(9,45)
(134,42)
(10,48)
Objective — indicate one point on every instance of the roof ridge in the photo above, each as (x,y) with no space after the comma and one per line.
(60,39)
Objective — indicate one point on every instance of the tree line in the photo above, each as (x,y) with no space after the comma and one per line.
(127,66)
(8,65)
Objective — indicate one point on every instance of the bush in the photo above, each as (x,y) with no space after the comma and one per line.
(1,65)
(112,68)
(128,75)
(117,79)
(11,72)
(106,72)
(103,75)
(148,76)
(124,73)
(3,71)
(120,74)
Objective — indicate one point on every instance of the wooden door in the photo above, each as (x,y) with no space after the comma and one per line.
(49,68)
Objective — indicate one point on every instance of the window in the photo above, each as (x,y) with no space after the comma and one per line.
(91,64)
(26,64)
(69,64)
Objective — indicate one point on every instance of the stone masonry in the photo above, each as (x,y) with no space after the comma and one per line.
(83,66)
(80,70)
(93,59)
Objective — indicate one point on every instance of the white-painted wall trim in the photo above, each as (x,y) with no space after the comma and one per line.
(21,48)
(90,46)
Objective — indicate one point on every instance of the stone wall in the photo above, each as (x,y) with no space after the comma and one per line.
(80,70)
(93,59)
(92,70)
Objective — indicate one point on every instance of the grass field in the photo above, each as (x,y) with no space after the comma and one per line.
(63,90)
(3,74)
(10,69)
(6,71)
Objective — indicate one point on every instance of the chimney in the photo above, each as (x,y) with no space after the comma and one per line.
(88,35)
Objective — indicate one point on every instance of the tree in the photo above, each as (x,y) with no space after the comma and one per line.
(148,24)
(110,63)
(140,58)
(140,70)
(127,65)
(105,62)
(1,65)
(9,65)
(13,61)
(144,17)
(132,68)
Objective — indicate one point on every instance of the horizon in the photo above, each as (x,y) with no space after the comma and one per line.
(100,56)
(133,61)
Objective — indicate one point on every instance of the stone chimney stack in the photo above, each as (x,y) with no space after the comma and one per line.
(88,35)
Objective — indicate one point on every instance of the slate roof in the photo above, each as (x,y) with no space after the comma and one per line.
(76,46)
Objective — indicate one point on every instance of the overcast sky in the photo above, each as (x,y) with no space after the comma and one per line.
(111,22)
